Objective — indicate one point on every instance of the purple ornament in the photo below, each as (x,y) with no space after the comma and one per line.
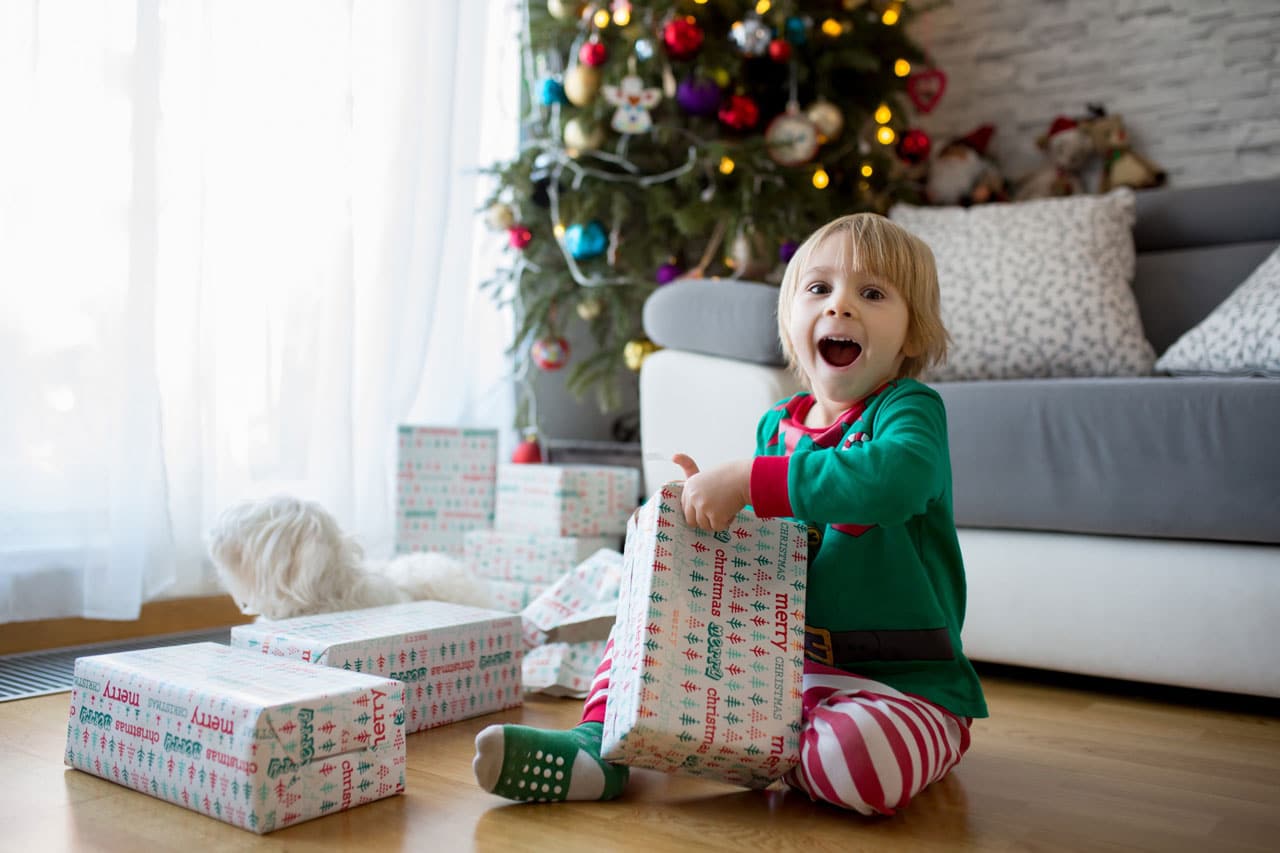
(698,96)
(787,250)
(667,273)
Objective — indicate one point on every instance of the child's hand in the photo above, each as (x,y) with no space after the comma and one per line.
(712,499)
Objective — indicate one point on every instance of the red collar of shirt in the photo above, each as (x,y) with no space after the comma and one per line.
(791,428)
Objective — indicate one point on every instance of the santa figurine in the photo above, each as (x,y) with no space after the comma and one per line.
(961,173)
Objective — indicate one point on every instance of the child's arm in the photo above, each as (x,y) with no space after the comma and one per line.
(712,499)
(885,480)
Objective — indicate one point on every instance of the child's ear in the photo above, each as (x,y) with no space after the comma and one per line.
(911,347)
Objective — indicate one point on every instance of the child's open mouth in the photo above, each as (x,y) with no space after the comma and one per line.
(839,352)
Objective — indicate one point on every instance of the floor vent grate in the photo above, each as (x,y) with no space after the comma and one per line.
(38,673)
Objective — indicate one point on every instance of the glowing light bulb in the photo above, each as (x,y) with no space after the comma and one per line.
(602,18)
(883,114)
(763,6)
(902,68)
(559,230)
(622,15)
(832,27)
(890,16)
(821,178)
(726,166)
(866,170)
(886,135)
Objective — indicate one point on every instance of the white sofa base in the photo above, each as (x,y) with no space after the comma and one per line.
(1186,613)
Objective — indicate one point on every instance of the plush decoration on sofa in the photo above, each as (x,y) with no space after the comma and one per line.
(961,173)
(1121,165)
(1068,148)
(1036,289)
(1241,336)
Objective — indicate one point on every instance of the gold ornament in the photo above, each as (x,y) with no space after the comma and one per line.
(581,84)
(500,216)
(589,308)
(827,117)
(582,135)
(564,10)
(636,351)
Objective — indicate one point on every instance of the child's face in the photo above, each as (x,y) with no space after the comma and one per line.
(848,328)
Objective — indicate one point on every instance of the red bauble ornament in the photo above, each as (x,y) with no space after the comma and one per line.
(593,53)
(913,146)
(529,451)
(550,353)
(779,50)
(519,236)
(682,37)
(739,112)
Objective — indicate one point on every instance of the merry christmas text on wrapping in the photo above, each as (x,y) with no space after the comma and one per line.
(708,647)
(255,742)
(457,661)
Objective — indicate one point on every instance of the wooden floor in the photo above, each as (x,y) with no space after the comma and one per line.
(1055,768)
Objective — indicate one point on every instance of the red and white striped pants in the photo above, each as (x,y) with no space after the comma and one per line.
(864,746)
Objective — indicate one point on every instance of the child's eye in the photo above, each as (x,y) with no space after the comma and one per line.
(819,287)
(873,293)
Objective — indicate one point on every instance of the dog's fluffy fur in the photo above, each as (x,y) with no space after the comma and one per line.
(283,557)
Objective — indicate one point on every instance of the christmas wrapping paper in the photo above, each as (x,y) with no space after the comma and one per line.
(528,557)
(566,500)
(580,607)
(445,486)
(562,669)
(456,661)
(514,596)
(261,744)
(709,645)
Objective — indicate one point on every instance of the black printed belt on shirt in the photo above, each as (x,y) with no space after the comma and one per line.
(842,647)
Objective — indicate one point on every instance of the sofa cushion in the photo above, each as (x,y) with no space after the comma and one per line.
(1036,289)
(1181,458)
(1241,336)
(720,317)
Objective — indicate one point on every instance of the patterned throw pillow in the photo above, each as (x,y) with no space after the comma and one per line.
(1036,288)
(1241,337)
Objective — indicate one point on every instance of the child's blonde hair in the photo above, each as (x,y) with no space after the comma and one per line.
(887,251)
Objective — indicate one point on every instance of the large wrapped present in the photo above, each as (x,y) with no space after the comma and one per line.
(581,607)
(261,744)
(566,500)
(708,649)
(445,486)
(457,661)
(529,557)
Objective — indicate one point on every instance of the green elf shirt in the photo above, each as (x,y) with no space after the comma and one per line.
(886,593)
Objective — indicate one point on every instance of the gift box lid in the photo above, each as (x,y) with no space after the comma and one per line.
(308,711)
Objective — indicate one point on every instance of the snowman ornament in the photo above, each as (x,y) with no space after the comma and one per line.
(633,101)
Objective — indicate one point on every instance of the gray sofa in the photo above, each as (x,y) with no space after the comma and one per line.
(1122,527)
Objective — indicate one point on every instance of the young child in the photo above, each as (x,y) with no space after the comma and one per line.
(862,458)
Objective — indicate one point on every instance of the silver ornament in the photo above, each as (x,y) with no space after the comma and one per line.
(827,117)
(752,36)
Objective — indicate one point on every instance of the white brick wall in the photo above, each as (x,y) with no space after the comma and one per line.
(1197,81)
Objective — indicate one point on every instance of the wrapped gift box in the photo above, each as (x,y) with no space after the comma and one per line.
(514,596)
(563,669)
(457,661)
(566,500)
(528,557)
(709,646)
(580,607)
(445,486)
(261,744)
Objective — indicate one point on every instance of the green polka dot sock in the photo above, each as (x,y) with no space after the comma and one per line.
(546,765)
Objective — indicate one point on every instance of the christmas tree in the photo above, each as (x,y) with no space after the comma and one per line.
(690,138)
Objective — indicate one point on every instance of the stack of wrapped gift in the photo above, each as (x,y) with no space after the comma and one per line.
(548,519)
(445,487)
(456,661)
(261,744)
(708,649)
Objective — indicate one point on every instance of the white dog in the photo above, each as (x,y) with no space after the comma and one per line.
(283,557)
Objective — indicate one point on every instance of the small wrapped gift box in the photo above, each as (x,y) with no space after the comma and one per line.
(514,596)
(258,743)
(709,646)
(566,500)
(457,661)
(529,557)
(445,486)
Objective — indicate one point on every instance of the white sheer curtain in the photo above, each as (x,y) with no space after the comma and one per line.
(238,246)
